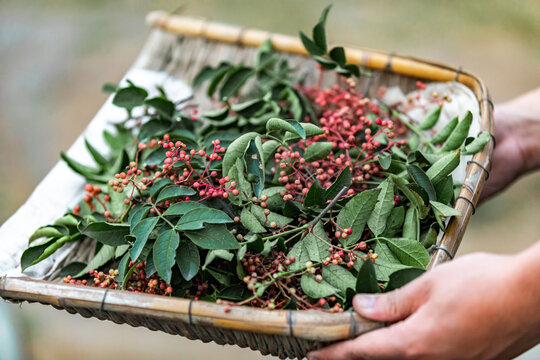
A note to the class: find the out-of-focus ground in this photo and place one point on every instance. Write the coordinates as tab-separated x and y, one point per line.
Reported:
54	56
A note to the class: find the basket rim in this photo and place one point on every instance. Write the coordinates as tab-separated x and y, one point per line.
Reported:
311	325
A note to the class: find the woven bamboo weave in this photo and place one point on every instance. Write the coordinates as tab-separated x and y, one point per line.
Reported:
181	46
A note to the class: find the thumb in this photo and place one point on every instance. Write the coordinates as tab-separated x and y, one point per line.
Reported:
393	306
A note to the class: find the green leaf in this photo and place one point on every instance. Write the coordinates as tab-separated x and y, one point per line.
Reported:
123	268
409	252
316	290
325	63
255	165
213	236
269	148
129	97
243	185
411	226
121	250
103	256
384	269
236	150
250	222
136	214
248	108
477	144
79	168
219	254
196	218
316	195
403	277
203	75
310	46
385	159
356	213
255	243
420	177
459	134
413	196
366	280
141	232
163	106
430	238
218	114
280	220
338	55
445	190
353	69
157	186
383	208
445	132
310	130
72	269
277	124
96	155
116	204
220	73
220	277
49	231
384	253
316	244
31	255
299	128
150	267
431	120
188	260
183	207
68	220
171	192
443	167
208	72
441	210
319	36
414	142
234	81
339	277
107	234
317	151
314	247
343	180
165	253
324	14
395	220
275	200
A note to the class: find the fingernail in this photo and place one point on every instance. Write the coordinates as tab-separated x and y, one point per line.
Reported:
312	356
365	303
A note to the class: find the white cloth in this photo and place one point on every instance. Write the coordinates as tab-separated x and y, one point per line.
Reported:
62	188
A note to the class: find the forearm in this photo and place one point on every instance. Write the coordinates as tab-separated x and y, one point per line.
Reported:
525	295
522	122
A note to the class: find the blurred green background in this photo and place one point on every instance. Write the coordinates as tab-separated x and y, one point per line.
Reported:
54	56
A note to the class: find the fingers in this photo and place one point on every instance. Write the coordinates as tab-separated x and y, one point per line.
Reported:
386	343
393	306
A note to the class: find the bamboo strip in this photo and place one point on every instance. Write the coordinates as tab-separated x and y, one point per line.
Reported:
282	333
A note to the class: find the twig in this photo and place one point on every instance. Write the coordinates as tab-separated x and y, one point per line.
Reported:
327	208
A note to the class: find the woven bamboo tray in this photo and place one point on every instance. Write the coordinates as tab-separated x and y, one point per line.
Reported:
181	46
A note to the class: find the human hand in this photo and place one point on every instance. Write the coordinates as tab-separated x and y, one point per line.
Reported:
517	132
479	306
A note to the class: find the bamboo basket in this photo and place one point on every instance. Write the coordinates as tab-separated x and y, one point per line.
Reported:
181	46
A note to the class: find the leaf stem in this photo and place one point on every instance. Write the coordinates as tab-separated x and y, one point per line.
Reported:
162	217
